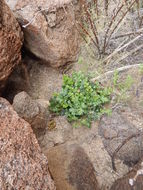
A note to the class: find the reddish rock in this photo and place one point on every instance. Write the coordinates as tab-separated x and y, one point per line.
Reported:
74	170
22	164
10	42
51	33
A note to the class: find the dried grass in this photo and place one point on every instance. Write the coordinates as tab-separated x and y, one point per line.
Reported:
105	21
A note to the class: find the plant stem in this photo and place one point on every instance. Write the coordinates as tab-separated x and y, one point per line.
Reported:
109	26
118	23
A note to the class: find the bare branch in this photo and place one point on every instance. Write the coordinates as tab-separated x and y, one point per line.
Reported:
126	45
120	69
118	23
92	24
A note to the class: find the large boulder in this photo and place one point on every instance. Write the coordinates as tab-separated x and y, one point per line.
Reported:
63	144
10	42
22	164
49	28
74	170
122	135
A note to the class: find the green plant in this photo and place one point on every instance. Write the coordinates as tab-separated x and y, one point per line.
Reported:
115	78
80	100
121	88
80	60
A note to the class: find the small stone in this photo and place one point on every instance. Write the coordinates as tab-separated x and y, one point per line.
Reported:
34	112
131	182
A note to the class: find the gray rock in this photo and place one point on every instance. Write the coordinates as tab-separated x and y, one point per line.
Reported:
34	112
119	130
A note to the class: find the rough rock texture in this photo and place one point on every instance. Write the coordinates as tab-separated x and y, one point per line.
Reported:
10	42
89	141
30	110
59	131
51	34
122	135
132	181
74	170
22	164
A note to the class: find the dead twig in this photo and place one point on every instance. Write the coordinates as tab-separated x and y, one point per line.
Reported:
128	54
88	34
32	20
96	6
127	34
124	46
110	24
92	25
120	69
119	22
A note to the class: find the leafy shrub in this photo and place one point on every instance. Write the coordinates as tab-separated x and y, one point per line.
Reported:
80	100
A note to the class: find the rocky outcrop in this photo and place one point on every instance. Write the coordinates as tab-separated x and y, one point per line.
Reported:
59	145
49	28
10	42
34	112
22	164
74	170
132	181
122	135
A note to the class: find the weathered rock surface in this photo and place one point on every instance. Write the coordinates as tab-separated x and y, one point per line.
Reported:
59	131
91	143
22	164
122	135
10	42
32	111
51	34
74	170
131	181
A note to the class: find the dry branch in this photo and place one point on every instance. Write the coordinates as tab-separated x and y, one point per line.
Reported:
124	46
119	23
120	69
110	24
92	25
128	54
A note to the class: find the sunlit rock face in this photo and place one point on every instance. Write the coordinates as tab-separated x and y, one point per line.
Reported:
49	28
